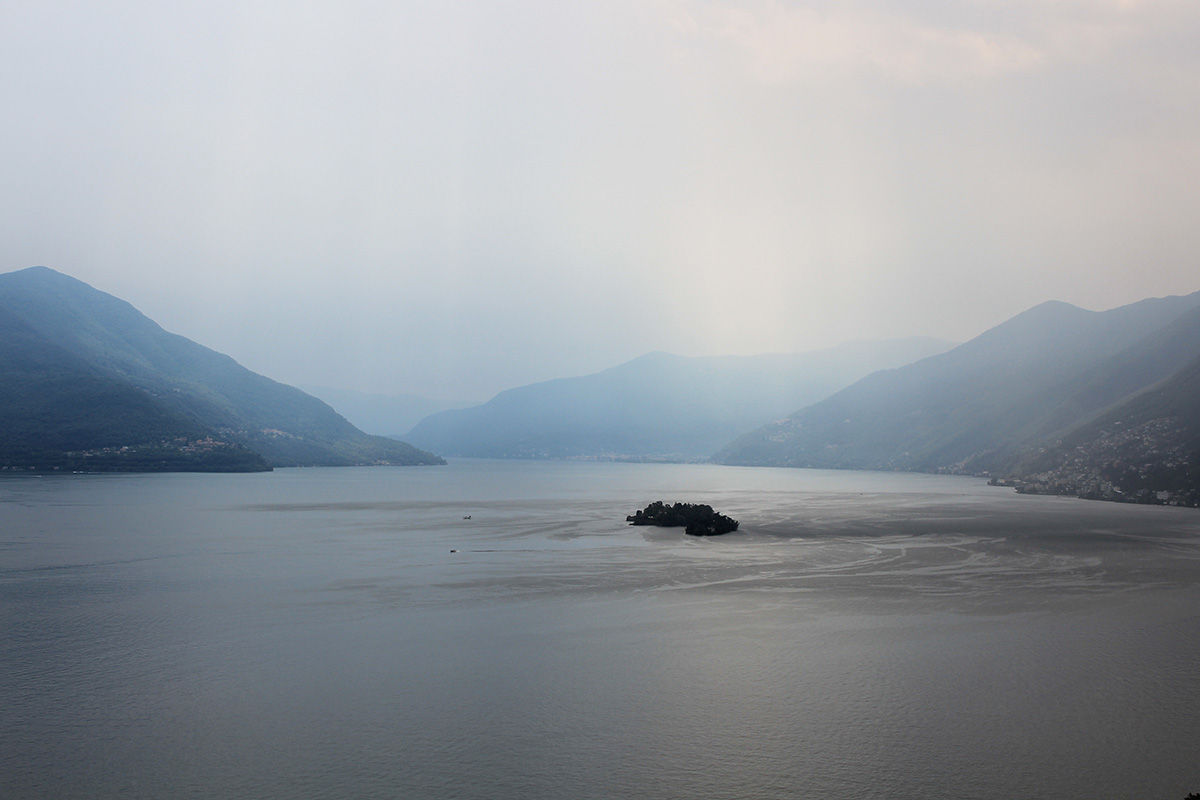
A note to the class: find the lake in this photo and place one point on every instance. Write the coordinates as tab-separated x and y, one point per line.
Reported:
310	633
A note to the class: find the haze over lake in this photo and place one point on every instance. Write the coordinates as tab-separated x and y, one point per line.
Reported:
734	236
309	633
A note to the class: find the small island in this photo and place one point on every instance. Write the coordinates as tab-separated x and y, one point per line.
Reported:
697	519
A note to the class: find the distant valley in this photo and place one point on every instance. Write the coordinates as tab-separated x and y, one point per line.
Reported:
89	383
383	414
658	407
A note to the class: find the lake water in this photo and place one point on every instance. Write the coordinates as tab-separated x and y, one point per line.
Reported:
309	633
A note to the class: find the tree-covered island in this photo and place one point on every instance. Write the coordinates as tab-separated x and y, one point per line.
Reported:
697	519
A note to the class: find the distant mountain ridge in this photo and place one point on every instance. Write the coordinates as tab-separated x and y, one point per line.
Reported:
85	371
658	406
997	404
382	414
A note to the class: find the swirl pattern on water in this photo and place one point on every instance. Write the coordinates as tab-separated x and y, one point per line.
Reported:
310	633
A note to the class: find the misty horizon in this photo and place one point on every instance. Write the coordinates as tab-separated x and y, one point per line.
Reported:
453	200
326	390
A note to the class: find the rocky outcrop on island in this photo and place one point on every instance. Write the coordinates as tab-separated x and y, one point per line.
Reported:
697	519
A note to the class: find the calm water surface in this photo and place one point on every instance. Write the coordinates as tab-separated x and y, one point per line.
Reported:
309	633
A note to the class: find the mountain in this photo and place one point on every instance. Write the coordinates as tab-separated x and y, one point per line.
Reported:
383	414
658	406
1146	449
52	403
85	372
991	402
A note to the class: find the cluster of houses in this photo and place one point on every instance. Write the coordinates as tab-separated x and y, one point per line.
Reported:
182	444
1090	488
1146	463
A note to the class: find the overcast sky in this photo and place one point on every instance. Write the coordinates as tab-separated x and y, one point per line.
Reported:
452	198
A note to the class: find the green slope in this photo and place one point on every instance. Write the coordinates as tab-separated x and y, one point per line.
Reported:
57	412
168	382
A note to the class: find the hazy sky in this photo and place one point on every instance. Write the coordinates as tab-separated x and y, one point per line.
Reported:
452	198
